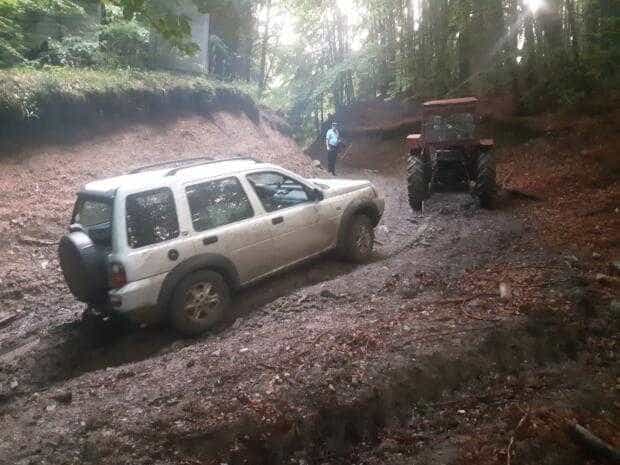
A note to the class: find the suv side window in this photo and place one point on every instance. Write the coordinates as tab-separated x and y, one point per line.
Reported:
218	203
277	191
151	218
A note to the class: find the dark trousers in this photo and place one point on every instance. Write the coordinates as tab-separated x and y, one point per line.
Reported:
332	154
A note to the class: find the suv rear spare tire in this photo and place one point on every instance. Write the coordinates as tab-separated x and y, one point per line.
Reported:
199	302
84	267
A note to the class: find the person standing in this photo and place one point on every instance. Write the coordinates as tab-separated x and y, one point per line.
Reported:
332	142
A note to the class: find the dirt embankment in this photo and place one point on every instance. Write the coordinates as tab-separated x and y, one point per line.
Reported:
415	357
368	124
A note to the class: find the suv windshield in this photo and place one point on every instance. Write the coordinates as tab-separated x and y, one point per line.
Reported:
95	216
449	127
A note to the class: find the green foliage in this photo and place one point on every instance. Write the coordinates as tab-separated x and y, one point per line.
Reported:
556	57
27	93
28	27
126	43
48	31
11	36
71	51
220	54
397	49
168	17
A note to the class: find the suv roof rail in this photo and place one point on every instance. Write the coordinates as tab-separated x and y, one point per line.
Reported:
163	164
174	171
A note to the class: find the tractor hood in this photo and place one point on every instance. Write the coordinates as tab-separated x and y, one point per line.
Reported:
334	187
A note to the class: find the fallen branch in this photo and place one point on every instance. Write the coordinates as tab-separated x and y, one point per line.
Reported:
594	444
597	211
533	267
265	365
512	438
523	195
9	319
27	240
459	300
480	318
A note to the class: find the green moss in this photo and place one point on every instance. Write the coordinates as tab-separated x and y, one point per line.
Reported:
28	94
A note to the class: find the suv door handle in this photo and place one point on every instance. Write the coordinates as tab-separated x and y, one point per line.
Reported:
210	240
277	220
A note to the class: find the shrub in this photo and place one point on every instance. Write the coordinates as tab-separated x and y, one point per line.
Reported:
125	43
27	27
71	51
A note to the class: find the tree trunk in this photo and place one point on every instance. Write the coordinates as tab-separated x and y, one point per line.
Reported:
262	81
572	29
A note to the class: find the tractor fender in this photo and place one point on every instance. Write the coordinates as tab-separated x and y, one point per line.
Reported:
486	144
361	206
414	141
208	261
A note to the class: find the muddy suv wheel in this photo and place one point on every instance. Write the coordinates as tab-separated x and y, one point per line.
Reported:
486	187
199	302
360	239
417	184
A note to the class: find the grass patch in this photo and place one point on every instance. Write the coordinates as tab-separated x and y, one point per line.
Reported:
39	98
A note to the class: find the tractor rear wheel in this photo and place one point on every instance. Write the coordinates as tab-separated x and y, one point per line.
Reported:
486	185
417	183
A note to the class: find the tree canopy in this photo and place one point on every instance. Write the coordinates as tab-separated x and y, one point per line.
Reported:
310	58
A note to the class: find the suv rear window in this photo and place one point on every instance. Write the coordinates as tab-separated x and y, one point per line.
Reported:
218	203
93	213
95	216
151	218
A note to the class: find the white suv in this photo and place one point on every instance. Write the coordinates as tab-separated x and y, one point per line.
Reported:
173	240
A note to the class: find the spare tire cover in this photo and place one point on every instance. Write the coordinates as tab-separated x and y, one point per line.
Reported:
84	267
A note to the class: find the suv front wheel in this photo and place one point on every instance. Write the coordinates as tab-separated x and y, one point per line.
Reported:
199	302
360	239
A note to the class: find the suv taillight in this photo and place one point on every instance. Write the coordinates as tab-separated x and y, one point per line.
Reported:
118	278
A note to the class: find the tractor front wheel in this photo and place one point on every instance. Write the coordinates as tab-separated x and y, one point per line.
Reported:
486	185
417	183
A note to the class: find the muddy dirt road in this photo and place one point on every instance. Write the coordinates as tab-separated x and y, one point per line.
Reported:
397	361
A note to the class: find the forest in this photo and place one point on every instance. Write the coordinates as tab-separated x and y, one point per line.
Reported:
310	58
193	272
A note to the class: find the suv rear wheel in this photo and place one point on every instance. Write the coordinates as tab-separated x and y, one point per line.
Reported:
199	302
360	239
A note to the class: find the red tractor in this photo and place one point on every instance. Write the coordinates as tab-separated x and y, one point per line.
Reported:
447	155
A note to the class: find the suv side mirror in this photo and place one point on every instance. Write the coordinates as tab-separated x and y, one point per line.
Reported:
316	195
76	227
